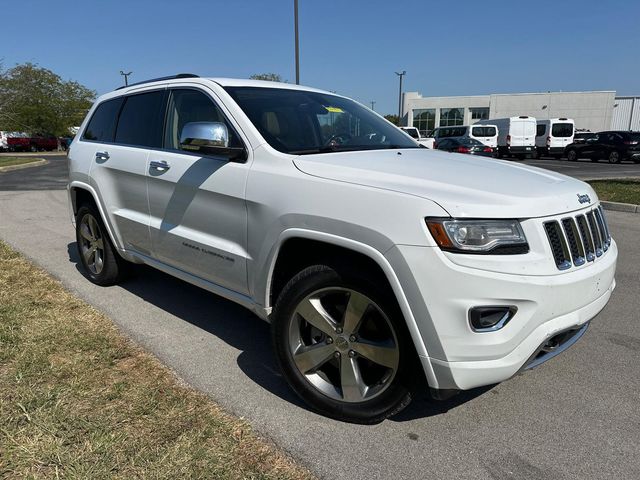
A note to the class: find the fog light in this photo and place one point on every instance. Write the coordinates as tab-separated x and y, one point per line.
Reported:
490	319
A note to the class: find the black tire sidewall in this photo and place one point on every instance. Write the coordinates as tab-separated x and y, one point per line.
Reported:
313	278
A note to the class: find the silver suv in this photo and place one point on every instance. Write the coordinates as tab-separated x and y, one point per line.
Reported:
381	265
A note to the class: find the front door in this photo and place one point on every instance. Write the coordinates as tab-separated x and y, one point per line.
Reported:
198	217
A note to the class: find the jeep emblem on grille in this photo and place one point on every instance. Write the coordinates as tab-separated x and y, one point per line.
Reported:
584	198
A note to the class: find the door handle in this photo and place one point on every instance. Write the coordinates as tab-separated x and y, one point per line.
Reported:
102	155
161	166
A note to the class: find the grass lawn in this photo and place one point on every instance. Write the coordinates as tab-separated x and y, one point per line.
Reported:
10	161
78	399
625	191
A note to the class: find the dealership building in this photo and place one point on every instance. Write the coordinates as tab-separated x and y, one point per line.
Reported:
591	111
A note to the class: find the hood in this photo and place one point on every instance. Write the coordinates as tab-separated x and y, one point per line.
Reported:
464	185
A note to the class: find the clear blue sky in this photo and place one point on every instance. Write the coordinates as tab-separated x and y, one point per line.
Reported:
349	46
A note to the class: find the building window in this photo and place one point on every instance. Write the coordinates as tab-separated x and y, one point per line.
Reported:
451	117
424	120
479	113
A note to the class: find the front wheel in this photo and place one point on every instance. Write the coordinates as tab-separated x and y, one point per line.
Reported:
342	345
572	155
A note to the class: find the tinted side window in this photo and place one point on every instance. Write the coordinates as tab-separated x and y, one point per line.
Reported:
540	129
186	106
102	125
141	120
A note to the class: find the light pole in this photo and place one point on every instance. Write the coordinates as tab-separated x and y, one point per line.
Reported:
400	74
126	77
295	16
372	104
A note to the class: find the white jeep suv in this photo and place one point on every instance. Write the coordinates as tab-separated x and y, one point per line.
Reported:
377	262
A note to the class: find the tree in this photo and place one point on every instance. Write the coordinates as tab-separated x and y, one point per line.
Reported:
271	77
392	118
38	101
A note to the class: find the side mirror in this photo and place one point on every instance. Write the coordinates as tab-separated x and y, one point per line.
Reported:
210	138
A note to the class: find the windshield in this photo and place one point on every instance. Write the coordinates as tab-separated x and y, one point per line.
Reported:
300	122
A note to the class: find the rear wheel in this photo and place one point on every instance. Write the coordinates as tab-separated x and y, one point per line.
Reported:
100	261
614	157
342	345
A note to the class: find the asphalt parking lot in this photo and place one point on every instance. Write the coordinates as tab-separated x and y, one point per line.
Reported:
576	417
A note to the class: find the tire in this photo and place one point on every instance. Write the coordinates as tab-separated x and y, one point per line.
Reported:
33	148
100	261
614	157
535	155
341	347
572	155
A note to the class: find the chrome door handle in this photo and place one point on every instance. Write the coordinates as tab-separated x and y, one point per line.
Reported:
102	155
159	165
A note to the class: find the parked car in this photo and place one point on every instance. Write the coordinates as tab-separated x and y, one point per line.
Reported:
465	145
43	143
378	263
614	146
516	136
580	137
14	141
414	133
553	136
485	134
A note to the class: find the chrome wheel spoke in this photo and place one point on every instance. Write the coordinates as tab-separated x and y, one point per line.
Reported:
98	262
85	232
387	356
93	227
353	388
88	253
310	358
313	312
356	307
100	244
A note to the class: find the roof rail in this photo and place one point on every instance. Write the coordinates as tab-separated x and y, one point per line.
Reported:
159	79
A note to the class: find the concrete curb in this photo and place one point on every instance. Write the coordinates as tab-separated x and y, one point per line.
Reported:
11	168
620	207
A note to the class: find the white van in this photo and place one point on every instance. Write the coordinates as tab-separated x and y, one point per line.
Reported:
516	135
485	134
553	136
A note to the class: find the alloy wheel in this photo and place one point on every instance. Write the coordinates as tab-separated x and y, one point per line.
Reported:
91	244
343	344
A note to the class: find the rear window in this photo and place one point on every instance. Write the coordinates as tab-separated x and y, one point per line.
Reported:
103	122
484	131
634	136
541	129
451	132
562	130
412	132
141	120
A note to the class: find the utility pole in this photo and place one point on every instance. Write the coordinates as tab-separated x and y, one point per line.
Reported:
372	104
400	74
295	16
126	77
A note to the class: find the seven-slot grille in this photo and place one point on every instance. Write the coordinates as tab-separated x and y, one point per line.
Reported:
580	239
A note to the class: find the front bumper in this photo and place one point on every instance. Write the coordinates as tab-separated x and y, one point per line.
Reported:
441	293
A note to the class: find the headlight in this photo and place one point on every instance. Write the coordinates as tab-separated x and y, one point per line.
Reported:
478	236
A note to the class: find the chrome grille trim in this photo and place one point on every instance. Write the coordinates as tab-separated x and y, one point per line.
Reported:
579	239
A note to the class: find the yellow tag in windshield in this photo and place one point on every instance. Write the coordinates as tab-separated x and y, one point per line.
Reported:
334	109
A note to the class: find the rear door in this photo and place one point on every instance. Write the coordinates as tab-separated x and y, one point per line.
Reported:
197	205
561	134
487	135
119	154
